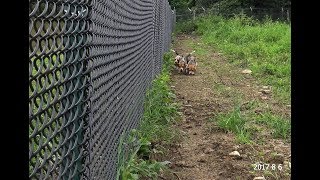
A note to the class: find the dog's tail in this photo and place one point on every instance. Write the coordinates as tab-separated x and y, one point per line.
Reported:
192	52
174	51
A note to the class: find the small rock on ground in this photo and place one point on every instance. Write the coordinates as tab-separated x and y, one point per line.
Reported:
264	97
259	178
265	91
234	153
246	71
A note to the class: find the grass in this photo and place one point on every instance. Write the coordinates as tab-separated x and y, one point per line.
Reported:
261	46
133	164
186	27
264	47
159	108
159	112
243	123
235	122
281	127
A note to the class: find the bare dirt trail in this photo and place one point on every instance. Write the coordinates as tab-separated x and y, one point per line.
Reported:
203	153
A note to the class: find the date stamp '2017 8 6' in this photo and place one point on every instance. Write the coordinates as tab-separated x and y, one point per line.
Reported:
266	167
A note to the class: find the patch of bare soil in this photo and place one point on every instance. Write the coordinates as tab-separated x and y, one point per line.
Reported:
203	152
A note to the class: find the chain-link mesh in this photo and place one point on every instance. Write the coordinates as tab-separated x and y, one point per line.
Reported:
90	63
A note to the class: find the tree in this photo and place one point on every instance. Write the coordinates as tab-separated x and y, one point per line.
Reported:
178	3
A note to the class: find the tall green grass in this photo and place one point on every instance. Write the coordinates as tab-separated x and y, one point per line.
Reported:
186	27
264	47
235	122
240	123
281	126
159	108
159	112
136	163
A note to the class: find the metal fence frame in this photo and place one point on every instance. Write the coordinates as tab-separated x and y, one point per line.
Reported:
90	63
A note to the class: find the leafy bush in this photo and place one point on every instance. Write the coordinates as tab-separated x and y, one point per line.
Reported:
186	27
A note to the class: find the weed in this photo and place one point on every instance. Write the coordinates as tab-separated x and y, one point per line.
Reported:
235	122
135	166
281	126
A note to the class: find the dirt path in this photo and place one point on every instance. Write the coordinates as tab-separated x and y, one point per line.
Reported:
203	153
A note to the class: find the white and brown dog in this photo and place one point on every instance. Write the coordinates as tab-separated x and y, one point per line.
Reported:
185	63
179	61
192	64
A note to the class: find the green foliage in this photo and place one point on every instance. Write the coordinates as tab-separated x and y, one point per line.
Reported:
281	126
135	166
160	109
179	3
235	122
242	124
264	47
206	3
186	27
159	112
191	3
229	5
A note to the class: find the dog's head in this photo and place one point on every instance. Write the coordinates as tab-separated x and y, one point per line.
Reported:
189	56
177	59
182	64
192	59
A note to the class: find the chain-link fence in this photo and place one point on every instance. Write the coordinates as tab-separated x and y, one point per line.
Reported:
90	63
281	14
